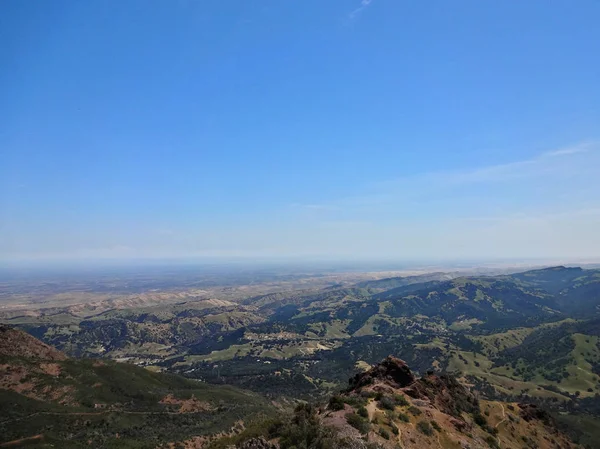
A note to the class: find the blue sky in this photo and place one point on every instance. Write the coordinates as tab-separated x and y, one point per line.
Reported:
339	128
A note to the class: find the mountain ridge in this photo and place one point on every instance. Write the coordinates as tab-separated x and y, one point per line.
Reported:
388	407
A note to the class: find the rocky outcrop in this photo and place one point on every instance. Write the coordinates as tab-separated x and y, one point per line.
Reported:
391	371
257	443
387	407
445	393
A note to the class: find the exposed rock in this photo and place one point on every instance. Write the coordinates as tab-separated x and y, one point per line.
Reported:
391	370
445	393
460	425
389	408
258	443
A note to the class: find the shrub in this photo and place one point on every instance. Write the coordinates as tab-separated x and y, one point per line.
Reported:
394	428
384	433
479	419
387	403
400	400
490	429
362	411
336	403
303	430
435	425
414	410
492	442
378	396
357	422
403	417
425	428
354	401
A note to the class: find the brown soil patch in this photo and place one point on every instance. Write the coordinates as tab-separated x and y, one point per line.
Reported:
53	369
62	395
191	405
12	376
23	380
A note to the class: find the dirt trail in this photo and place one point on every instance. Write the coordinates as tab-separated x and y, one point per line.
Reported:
371	409
21	441
88	414
503	417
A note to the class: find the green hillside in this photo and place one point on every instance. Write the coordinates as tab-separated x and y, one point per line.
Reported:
82	403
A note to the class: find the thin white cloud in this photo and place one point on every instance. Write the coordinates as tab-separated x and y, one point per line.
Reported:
577	161
539	165
363	5
582	148
543	206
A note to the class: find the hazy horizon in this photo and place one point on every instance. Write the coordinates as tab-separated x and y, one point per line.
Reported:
290	263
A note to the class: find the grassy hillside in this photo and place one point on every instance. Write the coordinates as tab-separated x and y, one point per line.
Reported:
78	403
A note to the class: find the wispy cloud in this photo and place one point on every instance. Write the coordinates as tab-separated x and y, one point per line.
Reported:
358	11
567	175
544	205
581	148
551	162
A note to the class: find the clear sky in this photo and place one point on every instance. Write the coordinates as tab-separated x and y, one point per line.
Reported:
341	128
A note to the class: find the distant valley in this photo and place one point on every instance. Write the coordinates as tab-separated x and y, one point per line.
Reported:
527	336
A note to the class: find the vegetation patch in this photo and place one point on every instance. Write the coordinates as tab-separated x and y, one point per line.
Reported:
425	428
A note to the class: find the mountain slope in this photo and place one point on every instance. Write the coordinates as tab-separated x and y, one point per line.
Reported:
566	356
404	281
66	402
15	343
388	407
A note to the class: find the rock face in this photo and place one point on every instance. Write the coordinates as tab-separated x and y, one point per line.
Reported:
391	370
445	393
257	443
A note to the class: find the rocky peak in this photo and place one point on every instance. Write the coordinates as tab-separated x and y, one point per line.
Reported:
391	371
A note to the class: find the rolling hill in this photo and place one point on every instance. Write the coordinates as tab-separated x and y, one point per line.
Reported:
50	400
